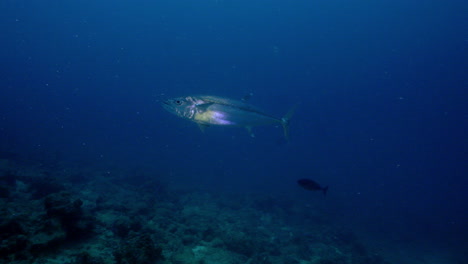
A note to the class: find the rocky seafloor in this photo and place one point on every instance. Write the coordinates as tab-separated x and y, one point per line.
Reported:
84	216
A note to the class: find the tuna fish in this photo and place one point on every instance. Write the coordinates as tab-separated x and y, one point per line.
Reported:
214	110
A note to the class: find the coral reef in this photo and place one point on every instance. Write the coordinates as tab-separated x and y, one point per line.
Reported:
113	218
139	249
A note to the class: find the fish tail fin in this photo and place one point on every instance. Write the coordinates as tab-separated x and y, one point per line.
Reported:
286	119
325	190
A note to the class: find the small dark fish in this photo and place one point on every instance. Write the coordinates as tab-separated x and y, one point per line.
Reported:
312	186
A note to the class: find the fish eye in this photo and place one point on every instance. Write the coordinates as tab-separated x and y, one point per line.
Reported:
178	102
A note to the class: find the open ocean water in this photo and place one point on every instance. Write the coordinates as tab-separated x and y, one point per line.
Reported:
94	170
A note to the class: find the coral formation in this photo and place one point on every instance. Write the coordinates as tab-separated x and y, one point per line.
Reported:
139	249
114	219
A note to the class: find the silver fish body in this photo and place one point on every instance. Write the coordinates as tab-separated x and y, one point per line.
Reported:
214	110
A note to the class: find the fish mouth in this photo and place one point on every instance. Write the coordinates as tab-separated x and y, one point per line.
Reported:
168	106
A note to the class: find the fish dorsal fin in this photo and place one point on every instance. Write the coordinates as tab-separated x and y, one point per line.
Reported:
202	127
247	97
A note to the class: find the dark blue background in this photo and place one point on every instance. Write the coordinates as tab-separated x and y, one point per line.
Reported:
382	88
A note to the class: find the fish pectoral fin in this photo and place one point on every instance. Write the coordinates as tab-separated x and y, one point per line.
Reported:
202	127
249	130
203	107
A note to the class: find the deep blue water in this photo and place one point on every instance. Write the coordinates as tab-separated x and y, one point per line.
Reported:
382	87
